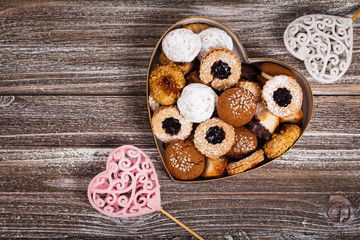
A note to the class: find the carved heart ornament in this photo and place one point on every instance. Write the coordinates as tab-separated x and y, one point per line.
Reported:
323	42
129	186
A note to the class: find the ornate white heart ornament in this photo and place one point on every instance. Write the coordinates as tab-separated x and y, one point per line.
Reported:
323	42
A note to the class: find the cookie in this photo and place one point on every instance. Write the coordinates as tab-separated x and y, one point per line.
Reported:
282	95
282	141
197	102
215	167
185	67
154	105
296	118
181	45
220	67
270	70
214	137
245	143
264	123
166	83
193	77
213	38
197	27
183	160
246	163
236	106
253	87
169	126
249	72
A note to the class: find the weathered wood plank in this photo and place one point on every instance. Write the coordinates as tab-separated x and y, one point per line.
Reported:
44	194
105	48
115	120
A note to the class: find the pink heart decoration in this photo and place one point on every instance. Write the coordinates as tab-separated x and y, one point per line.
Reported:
129	186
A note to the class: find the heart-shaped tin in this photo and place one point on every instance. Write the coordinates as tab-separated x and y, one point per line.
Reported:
238	49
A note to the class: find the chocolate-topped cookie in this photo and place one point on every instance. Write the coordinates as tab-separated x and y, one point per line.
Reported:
183	160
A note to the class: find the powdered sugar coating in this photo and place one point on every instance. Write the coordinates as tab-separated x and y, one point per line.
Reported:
213	38
282	81
167	112
253	87
209	149
197	102
181	45
154	105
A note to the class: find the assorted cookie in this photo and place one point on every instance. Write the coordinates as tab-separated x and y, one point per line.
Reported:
216	115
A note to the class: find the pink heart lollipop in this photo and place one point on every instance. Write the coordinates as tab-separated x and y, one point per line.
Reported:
129	186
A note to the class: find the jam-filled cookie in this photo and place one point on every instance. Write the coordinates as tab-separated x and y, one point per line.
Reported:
282	95
166	83
214	38
245	143
246	163
220	67
214	137
181	45
282	141
168	124
197	102
236	106
215	167
183	160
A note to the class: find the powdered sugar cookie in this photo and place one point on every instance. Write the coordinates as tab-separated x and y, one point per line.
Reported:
181	45
214	38
197	102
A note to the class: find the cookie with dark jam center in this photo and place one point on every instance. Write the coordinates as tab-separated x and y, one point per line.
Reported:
282	97
220	70
171	126
215	135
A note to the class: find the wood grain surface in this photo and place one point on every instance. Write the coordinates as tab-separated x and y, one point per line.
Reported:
72	88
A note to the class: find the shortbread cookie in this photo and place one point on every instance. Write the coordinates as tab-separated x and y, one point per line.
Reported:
246	163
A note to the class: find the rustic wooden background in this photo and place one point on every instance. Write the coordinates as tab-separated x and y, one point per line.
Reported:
72	88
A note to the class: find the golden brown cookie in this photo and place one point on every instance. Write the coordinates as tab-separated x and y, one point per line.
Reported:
253	87
214	137
215	167
296	118
245	143
193	77
282	141
220	67
185	67
197	27
166	83
169	126
236	106
246	163
270	70
183	160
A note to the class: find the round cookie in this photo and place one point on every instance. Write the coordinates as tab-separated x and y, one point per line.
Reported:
181	45
282	95
169	126
183	160
220	67
197	27
282	141
245	143
253	87
270	70
214	137
165	84
246	163
197	102
213	38
236	106
215	167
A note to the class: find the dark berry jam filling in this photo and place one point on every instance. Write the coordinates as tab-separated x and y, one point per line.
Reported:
220	70
282	97
171	126
215	135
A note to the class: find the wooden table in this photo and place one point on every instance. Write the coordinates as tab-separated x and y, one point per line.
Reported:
72	86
